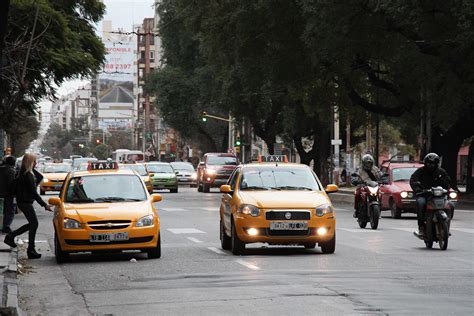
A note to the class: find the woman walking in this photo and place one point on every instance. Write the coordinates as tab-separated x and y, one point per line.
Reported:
26	194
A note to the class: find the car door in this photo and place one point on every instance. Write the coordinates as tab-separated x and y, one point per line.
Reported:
228	198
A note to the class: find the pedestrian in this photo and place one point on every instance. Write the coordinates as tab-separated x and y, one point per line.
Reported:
343	176
7	177
26	193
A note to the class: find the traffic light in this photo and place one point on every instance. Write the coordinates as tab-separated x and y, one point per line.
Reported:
81	145
204	116
237	142
97	141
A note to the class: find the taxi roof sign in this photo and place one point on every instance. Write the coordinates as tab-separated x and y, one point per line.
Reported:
102	165
273	158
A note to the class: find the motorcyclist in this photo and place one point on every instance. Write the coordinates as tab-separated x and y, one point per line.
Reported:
429	176
368	172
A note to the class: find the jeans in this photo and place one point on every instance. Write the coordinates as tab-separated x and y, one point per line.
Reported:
8	212
421	210
32	226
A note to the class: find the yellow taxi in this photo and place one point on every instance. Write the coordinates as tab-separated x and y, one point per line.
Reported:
103	209
277	203
139	168
54	175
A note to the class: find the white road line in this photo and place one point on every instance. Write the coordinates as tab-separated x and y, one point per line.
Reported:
464	211
210	209
216	250
410	230
464	230
173	209
26	240
197	241
360	230
185	231
247	264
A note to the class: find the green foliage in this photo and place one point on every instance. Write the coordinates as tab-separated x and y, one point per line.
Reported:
102	151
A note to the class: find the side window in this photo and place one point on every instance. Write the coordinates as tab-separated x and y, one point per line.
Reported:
233	178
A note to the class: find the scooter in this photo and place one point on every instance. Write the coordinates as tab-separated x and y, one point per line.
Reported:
437	217
369	207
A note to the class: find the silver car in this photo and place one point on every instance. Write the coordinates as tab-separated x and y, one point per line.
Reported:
184	172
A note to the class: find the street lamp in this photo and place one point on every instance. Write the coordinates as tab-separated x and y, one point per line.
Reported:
230	120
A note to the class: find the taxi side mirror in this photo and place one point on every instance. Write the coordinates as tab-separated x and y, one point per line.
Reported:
151	175
331	188
155	197
54	201
226	189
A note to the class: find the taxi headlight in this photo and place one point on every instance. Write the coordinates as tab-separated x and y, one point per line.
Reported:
70	223
324	209
45	180
145	221
248	209
453	195
404	195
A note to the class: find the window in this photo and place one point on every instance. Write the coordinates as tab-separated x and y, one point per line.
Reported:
152	56
280	178
142	56
233	179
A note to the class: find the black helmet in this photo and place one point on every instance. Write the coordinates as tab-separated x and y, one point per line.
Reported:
9	160
367	162
431	161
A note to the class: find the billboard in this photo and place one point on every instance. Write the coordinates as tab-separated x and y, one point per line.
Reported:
115	82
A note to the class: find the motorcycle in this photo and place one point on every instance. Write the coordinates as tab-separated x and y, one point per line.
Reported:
437	217
369	207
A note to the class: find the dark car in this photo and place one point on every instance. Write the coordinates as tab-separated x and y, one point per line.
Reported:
214	170
185	172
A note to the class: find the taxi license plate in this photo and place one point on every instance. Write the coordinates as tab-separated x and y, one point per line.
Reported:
108	237
288	225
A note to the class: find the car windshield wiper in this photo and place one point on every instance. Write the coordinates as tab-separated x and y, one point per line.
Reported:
115	199
253	187
398	180
289	187
80	201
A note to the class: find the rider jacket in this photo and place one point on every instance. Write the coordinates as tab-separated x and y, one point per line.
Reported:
423	179
373	175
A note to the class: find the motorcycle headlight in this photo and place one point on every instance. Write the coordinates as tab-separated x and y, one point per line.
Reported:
437	192
373	190
70	223
324	209
404	195
145	221
453	195
210	171
194	176
248	209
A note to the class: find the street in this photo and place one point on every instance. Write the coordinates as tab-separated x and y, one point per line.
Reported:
381	272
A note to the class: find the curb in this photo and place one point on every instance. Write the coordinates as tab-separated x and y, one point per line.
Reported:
9	285
347	198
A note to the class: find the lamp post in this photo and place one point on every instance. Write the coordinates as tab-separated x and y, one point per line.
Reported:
230	120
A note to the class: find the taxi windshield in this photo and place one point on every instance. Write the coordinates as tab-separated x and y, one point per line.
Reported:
140	169
278	178
184	166
162	168
59	168
105	188
402	174
221	160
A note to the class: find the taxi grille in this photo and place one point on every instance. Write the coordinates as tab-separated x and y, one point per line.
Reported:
83	242
288	232
108	225
281	215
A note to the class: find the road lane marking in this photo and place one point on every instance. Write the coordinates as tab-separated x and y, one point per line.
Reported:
185	231
360	230
247	264
410	230
216	250
464	230
464	211
194	240
210	209
173	209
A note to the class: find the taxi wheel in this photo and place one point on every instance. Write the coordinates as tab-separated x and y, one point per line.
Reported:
61	256
155	253
396	212
329	246
199	186
237	246
225	240
174	190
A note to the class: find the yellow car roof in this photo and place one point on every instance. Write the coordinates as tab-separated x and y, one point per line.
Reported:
275	165
95	172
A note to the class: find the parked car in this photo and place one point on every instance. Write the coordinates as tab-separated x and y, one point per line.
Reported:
214	170
185	172
162	176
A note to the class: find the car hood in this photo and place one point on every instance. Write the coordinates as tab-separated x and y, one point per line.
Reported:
284	199
184	172
55	176
221	167
402	185
163	176
108	211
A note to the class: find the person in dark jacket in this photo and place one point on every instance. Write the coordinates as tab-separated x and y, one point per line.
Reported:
26	194
7	177
429	176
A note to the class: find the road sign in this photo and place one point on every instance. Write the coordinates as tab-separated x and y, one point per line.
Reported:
336	142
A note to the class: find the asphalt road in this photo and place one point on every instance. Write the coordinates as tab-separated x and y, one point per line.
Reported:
387	271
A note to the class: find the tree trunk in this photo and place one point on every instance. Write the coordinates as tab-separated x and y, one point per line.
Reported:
321	153
469	177
305	157
447	146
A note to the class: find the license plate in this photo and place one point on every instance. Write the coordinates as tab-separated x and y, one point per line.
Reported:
108	237
289	225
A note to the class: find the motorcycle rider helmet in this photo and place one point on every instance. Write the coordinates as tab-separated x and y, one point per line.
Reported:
367	162
431	161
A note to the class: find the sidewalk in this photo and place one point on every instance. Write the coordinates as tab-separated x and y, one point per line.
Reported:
8	279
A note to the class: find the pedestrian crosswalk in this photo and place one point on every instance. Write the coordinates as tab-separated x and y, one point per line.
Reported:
405	229
179	209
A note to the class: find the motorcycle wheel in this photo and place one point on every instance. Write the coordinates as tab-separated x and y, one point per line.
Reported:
443	235
362	223
374	216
